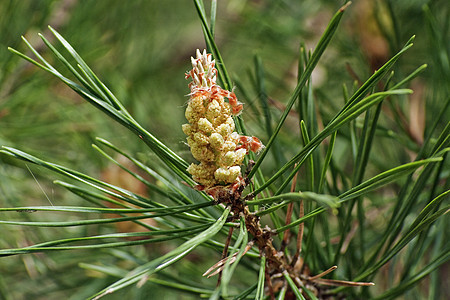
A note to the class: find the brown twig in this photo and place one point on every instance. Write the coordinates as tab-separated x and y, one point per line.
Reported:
276	261
349	237
269	284
290	209
320	275
352	73
333	282
299	235
225	252
220	265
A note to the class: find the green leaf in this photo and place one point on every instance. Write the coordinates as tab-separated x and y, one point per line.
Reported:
365	187
345	116
294	288
96	93
261	279
241	244
54	245
327	161
166	260
321	199
319	50
412	232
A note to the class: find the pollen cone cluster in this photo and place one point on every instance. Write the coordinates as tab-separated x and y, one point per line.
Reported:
211	136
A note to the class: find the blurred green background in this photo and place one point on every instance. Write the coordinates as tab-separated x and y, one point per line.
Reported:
140	50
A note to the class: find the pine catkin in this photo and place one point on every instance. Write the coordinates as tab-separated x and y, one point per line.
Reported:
211	132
